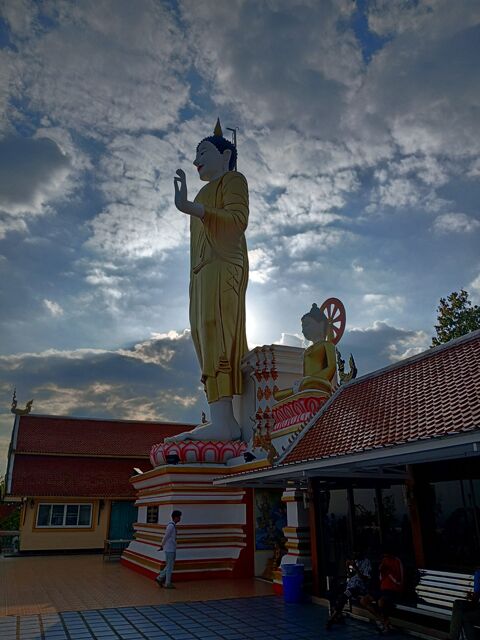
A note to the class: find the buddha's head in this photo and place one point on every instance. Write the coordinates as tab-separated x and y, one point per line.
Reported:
215	156
315	324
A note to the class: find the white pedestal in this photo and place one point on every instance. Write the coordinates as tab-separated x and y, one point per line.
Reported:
213	530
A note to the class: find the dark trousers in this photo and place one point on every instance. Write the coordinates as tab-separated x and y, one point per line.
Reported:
465	615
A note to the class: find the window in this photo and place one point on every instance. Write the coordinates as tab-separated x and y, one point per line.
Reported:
152	515
366	521
455	539
64	515
396	526
336	548
360	517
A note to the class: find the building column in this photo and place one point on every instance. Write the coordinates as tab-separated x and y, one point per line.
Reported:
297	533
314	517
297	530
414	490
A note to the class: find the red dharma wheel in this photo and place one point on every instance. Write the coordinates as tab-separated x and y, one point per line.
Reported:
335	312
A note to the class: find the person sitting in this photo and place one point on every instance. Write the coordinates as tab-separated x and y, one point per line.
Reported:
466	613
359	572
319	360
391	588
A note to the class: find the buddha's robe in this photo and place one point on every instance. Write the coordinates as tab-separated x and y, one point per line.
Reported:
319	371
218	283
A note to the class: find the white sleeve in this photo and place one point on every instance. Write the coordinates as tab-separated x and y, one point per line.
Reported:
168	533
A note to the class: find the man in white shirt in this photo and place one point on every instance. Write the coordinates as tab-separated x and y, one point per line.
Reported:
169	545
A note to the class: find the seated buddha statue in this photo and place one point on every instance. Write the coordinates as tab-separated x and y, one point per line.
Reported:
319	360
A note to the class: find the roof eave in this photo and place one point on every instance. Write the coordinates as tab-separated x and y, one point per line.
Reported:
456	445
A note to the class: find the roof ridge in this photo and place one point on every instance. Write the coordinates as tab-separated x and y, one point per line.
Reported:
472	335
90	419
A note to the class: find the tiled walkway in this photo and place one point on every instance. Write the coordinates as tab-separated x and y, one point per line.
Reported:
258	618
50	584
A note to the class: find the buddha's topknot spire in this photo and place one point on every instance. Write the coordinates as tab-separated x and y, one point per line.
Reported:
218	129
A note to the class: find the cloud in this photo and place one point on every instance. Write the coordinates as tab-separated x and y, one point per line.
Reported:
98	74
32	171
161	349
291	340
53	307
379	303
474	289
85	402
303	245
8	87
422	78
269	74
428	17
261	268
156	379
9	224
165	359
455	223
352	160
38	175
381	344
125	231
20	16
136	180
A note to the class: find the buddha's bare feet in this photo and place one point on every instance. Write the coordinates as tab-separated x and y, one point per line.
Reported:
178	438
223	425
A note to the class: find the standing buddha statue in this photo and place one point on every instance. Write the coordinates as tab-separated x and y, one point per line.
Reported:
218	280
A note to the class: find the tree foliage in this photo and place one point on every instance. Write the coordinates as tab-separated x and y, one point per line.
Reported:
456	317
10	522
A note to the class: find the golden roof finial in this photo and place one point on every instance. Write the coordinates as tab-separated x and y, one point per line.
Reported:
20	412
218	129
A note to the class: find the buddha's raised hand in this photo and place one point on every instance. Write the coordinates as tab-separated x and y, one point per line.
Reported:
182	202
181	193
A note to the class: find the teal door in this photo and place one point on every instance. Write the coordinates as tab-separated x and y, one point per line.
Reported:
122	517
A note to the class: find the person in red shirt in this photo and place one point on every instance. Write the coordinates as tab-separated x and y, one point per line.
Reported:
391	589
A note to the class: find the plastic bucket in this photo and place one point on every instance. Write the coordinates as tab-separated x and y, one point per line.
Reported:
292	579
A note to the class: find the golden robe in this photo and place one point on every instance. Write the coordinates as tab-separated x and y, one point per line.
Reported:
218	283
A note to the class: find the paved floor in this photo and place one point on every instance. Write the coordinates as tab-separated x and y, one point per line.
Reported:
84	598
259	618
50	584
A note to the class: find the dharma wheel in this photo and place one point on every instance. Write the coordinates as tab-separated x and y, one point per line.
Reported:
335	312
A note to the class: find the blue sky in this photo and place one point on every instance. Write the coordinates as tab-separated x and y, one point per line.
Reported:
359	136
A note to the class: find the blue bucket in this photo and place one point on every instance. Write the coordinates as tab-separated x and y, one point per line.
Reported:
292	579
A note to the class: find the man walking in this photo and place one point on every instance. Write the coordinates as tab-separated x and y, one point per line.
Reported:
169	545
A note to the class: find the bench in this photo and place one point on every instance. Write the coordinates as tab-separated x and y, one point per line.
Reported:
437	590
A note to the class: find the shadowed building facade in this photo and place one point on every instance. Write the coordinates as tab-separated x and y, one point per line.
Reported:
71	478
391	459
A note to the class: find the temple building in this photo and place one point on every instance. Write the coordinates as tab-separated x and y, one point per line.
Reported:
71	477
392	459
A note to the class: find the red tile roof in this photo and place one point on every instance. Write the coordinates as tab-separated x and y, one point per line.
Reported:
82	436
433	394
64	476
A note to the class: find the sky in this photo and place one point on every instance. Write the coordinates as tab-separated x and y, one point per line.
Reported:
358	132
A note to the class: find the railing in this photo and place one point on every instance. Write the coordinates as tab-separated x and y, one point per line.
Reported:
9	541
